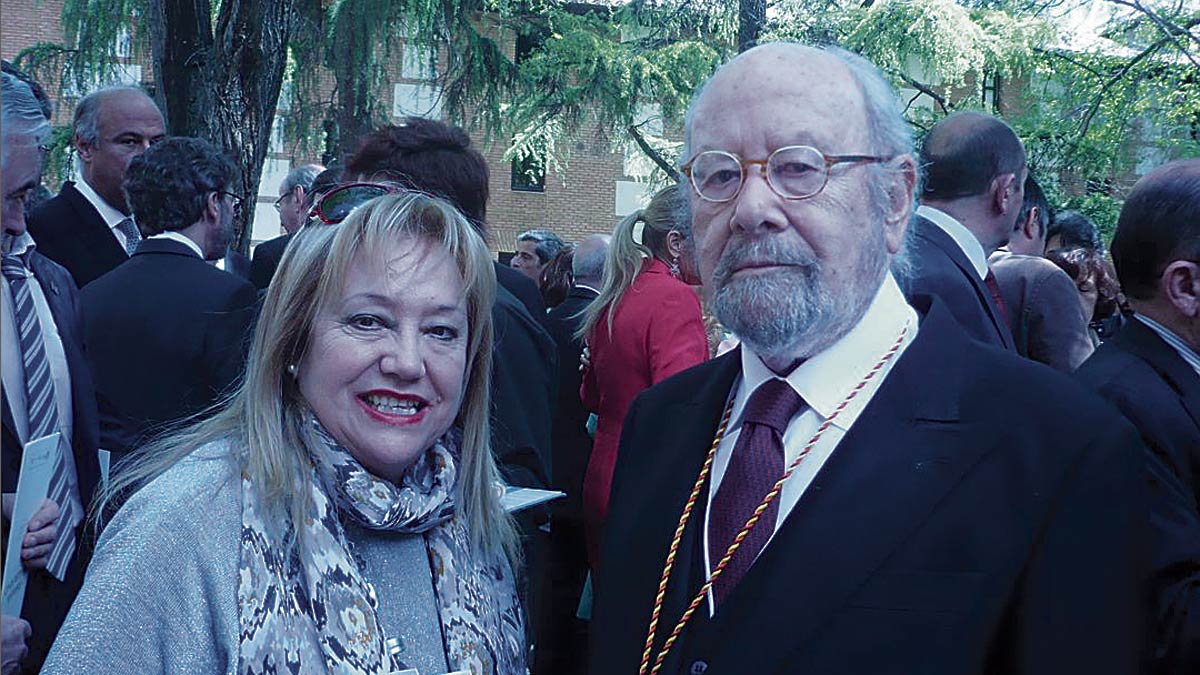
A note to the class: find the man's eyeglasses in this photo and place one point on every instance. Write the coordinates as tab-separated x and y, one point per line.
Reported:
236	199
279	202
334	206
793	172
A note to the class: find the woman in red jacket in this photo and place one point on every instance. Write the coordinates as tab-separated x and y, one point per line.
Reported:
645	326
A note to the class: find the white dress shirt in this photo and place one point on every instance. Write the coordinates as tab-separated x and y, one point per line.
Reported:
823	382
111	216
12	364
181	238
960	234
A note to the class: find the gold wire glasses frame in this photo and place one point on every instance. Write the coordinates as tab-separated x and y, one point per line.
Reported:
792	172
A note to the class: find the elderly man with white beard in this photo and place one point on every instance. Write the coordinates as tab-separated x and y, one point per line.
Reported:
846	492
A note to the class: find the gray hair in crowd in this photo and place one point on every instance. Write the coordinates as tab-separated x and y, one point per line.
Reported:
547	244
21	112
588	263
87	111
890	134
303	176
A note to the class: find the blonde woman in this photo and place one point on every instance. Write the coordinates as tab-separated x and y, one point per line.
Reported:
339	513
645	326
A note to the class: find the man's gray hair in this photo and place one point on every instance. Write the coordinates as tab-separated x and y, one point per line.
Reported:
588	262
87	111
302	175
21	109
547	244
21	112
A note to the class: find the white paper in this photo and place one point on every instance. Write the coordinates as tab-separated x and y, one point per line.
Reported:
105	458
33	484
518	498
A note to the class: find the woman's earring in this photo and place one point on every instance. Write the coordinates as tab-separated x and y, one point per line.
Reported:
675	266
292	369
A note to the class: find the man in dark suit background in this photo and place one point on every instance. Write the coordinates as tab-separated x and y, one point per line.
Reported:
167	333
1047	323
921	531
974	172
46	388
293	197
1151	371
565	645
88	228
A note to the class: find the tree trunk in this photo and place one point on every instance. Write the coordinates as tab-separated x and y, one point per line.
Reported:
752	17
352	71
223	85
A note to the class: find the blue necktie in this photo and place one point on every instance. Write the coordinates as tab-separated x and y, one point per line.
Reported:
41	405
132	234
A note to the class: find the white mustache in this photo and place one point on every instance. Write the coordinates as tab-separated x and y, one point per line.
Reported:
761	253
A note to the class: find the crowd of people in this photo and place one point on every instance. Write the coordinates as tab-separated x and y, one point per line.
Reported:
835	403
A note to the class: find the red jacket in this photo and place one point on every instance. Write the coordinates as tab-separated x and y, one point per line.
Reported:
657	331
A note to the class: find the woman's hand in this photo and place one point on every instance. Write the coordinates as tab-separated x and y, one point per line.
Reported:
40	535
585	358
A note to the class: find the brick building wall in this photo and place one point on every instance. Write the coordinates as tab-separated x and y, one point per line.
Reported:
580	201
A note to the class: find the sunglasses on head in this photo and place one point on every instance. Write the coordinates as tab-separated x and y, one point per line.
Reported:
334	206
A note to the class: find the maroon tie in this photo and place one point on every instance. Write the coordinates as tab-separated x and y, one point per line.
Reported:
754	467
994	287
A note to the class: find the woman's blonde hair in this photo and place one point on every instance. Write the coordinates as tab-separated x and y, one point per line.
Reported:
631	247
265	414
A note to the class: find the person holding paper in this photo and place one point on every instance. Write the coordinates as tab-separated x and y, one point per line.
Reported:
48	395
340	513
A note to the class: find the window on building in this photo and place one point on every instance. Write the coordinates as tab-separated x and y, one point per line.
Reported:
529	174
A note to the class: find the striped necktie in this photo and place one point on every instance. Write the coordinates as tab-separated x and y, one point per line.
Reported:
132	234
42	407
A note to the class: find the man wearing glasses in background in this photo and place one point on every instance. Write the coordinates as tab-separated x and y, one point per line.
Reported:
293	197
167	332
914	528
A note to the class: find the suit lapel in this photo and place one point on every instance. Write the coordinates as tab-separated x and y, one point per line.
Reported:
936	236
94	233
886	476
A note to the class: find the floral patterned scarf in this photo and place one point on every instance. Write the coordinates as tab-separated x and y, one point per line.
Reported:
315	613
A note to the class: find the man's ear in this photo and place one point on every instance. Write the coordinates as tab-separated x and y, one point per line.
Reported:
1180	283
1002	192
212	207
900	181
83	148
1032	226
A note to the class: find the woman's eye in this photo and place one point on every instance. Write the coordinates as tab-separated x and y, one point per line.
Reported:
444	332
365	322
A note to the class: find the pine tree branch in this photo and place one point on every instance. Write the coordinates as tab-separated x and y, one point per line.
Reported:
653	154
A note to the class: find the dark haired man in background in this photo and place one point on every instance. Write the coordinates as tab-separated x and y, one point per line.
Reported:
974	168
166	331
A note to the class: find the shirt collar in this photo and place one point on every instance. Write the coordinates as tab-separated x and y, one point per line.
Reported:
181	238
111	216
960	234
22	245
825	380
1169	336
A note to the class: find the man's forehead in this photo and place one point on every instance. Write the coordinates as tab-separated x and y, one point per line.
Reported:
126	109
790	90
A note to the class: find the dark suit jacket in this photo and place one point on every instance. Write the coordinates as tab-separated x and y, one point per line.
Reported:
237	264
70	231
938	538
524	383
1160	393
266	258
943	270
572	444
1047	322
523	289
167	333
47	600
